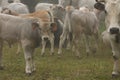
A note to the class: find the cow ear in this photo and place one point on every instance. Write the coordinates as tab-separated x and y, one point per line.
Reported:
53	27
35	25
99	6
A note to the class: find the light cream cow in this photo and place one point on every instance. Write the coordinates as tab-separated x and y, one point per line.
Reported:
112	21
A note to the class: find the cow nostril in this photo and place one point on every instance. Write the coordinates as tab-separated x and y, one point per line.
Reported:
45	38
114	30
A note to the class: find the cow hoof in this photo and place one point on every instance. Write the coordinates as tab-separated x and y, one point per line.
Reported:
115	74
59	56
28	74
79	57
17	52
42	54
52	53
1	67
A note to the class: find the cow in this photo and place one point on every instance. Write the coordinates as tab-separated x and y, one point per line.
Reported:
65	3
112	21
43	6
18	7
47	26
79	22
26	30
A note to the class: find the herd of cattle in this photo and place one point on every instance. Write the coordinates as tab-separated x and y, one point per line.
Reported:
69	20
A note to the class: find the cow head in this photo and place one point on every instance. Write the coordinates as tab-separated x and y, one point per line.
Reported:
47	29
58	12
6	11
112	19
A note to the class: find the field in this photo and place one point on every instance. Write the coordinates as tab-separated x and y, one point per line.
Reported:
68	67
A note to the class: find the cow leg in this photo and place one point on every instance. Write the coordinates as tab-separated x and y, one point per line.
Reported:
115	52
62	40
68	42
52	44
86	39
1	46
95	44
43	47
28	53
76	47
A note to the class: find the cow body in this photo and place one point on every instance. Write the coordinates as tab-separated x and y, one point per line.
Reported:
43	6
78	3
79	22
13	29
112	21
18	7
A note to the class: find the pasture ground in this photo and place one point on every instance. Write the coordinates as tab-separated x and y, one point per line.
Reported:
68	67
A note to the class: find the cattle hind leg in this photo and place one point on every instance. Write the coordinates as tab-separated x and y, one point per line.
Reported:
28	53
62	40
76	45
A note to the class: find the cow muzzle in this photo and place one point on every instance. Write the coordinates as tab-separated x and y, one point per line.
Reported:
45	38
114	30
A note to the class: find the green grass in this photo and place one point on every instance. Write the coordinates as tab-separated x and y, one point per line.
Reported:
68	67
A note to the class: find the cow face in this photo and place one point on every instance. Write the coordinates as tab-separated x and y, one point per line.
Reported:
6	11
47	29
112	19
58	12
112	9
113	16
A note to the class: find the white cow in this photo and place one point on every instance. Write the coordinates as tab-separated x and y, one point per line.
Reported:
26	30
77	3
112	21
79	22
65	3
43	6
18	7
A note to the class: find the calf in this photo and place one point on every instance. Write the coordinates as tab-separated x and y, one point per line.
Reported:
47	26
25	30
112	21
79	22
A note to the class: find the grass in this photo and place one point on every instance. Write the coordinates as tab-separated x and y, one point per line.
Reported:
68	67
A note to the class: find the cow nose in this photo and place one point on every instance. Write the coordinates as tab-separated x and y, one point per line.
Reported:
45	38
114	30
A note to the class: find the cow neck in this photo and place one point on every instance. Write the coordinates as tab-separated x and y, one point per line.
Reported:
51	16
